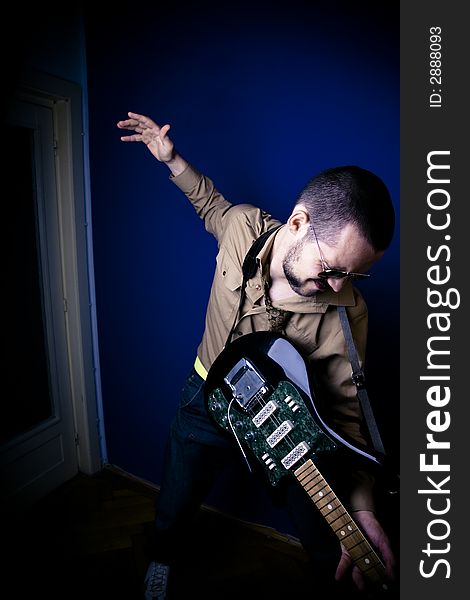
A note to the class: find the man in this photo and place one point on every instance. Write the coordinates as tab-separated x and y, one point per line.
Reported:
339	227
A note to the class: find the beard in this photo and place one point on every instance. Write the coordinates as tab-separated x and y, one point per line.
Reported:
302	287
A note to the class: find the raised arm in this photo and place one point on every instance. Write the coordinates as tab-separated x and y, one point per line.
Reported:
155	138
209	204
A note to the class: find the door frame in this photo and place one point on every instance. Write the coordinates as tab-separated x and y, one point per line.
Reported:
76	257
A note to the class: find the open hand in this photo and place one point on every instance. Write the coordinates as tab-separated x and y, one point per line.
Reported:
151	134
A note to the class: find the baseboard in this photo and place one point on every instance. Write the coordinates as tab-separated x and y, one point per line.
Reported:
259	528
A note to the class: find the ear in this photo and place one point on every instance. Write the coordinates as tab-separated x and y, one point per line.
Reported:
299	221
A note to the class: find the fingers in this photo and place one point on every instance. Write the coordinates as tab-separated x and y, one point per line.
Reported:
142	120
131	138
163	131
137	123
130	124
344	563
358	578
146	129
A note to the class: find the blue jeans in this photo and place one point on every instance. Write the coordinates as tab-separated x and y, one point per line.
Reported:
197	451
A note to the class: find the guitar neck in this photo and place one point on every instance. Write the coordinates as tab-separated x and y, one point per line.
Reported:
341	523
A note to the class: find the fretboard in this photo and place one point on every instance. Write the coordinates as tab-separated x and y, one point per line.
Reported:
341	523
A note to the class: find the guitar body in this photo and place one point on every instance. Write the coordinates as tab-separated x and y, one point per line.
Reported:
258	391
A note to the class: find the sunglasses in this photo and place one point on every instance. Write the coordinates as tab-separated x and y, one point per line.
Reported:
331	273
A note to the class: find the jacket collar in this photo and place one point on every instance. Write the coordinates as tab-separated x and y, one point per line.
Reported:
295	303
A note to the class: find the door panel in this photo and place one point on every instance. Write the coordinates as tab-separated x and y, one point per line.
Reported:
37	435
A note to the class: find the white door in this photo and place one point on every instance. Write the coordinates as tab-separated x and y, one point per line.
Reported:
37	432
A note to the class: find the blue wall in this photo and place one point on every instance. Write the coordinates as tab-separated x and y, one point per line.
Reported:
260	98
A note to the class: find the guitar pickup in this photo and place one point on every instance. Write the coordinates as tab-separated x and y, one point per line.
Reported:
265	413
295	455
280	433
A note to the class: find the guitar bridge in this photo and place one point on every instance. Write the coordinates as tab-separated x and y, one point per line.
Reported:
246	383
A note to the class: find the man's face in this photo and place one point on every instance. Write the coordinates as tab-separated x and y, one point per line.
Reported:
302	262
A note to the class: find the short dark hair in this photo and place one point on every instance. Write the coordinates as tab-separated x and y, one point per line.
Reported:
350	194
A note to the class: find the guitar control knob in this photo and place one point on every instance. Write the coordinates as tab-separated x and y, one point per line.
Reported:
216	406
249	436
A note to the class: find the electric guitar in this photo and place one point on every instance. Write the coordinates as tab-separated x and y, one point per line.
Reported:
258	390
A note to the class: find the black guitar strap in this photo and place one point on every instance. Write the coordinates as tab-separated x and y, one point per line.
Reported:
249	270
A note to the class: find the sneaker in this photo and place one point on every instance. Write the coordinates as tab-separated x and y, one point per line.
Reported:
156	581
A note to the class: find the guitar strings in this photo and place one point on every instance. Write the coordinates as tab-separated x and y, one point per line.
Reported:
235	435
274	418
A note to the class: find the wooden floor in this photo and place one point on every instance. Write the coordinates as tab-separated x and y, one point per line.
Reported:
88	540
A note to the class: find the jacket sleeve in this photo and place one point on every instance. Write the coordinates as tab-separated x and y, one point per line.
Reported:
208	203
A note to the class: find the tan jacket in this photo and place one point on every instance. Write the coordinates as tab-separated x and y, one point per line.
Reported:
314	326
